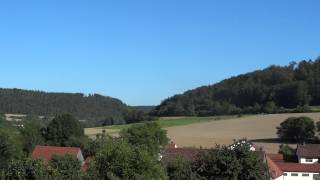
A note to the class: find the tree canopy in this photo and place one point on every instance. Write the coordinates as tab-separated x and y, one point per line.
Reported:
299	129
148	136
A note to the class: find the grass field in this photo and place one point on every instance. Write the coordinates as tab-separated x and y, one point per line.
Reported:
164	122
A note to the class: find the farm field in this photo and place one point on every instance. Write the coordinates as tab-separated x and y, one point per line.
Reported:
164	122
209	131
260	128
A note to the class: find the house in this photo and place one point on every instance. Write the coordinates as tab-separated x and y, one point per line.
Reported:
308	153
305	167
46	152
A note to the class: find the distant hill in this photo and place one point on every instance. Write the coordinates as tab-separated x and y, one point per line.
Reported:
145	109
94	108
274	89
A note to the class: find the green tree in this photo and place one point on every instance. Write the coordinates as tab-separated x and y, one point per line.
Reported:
34	169
235	164
65	130
148	136
10	147
180	169
121	160
67	166
286	150
298	129
32	135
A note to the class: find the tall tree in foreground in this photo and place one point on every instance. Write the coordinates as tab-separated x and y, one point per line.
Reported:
148	136
64	130
299	129
224	163
10	147
120	160
32	135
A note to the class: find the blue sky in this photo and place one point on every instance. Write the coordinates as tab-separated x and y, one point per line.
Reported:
144	51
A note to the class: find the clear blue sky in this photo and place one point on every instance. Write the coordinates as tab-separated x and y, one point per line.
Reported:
142	51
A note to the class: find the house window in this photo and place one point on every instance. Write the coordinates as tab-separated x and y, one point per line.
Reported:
309	160
285	174
294	174
305	175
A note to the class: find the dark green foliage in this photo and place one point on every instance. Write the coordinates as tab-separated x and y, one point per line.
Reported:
286	150
94	108
30	169
297	129
32	135
10	146
273	90
224	163
64	130
148	136
68	166
180	169
120	160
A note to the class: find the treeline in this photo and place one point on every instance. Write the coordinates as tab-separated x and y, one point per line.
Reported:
132	155
275	89
94	108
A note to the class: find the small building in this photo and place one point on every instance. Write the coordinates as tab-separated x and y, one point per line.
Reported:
282	170
308	153
46	152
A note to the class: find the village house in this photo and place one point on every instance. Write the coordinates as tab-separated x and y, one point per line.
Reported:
305	167
46	152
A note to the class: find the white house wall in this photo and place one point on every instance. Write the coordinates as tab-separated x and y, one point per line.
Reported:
299	177
304	161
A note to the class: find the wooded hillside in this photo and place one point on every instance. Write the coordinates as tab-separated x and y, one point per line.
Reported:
93	107
274	89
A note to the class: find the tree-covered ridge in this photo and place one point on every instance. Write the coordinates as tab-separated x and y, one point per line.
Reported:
274	89
92	107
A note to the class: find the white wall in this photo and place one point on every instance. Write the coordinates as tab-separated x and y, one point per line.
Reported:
304	161
299	177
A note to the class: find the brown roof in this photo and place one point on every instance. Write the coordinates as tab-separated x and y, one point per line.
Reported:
46	152
298	167
276	157
277	166
171	154
274	169
308	150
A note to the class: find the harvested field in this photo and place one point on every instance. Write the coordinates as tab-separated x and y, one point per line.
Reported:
257	127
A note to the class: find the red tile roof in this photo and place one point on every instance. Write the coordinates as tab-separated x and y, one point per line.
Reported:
308	150
277	166
171	154
274	169
276	157
46	152
298	167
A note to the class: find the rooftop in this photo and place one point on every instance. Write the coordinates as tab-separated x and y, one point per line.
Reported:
46	152
308	150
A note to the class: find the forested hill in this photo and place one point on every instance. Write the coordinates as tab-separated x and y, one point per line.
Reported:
92	107
274	89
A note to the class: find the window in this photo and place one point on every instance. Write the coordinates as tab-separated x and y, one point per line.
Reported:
285	174
309	160
305	175
294	174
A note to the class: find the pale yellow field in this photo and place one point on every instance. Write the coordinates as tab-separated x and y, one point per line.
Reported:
223	132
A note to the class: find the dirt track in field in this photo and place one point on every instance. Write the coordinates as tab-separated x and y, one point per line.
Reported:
223	132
